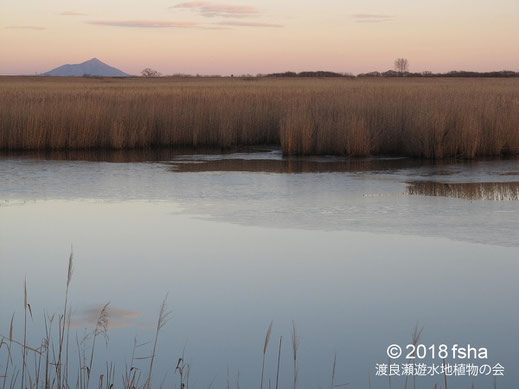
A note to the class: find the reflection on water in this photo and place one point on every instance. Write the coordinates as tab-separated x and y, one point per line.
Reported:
356	199
267	159
468	191
346	254
118	317
120	156
292	165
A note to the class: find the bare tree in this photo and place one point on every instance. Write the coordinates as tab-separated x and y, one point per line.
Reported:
402	65
148	72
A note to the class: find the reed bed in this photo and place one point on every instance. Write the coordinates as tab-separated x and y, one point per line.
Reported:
424	118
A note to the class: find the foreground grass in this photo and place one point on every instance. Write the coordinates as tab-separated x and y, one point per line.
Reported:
62	360
437	118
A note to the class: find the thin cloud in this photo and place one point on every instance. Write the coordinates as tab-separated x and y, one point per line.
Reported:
71	13
372	18
143	23
209	9
25	28
213	28
249	24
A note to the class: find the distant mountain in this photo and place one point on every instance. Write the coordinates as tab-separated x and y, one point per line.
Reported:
92	67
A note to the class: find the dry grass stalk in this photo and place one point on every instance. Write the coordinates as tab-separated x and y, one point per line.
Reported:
100	329
62	324
332	382
24	348
265	346
295	345
161	321
279	362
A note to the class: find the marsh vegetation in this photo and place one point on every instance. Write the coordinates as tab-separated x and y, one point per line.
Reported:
425	118
64	359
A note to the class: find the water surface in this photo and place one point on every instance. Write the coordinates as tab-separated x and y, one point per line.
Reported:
355	252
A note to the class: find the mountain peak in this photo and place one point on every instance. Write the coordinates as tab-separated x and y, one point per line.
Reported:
91	67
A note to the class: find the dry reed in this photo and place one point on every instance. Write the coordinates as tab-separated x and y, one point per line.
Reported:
427	118
279	362
295	345
161	321
265	346
332	381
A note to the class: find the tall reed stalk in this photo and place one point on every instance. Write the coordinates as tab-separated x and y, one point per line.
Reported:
265	346
161	321
279	362
62	325
295	345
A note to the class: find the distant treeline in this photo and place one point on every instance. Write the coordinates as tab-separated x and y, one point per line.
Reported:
393	73
386	74
319	73
454	73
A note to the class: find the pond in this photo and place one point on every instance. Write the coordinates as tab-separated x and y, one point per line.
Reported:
354	253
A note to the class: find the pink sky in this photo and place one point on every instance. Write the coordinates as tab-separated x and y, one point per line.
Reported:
260	36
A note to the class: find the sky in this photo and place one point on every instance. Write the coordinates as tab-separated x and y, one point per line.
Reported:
259	36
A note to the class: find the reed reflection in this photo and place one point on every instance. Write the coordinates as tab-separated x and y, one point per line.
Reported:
293	165
469	191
